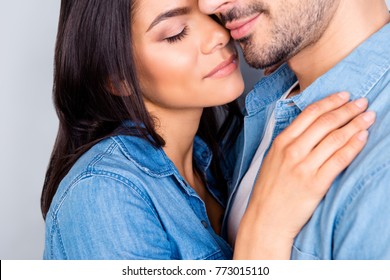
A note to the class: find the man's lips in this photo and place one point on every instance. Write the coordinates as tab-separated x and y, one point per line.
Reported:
225	68
241	28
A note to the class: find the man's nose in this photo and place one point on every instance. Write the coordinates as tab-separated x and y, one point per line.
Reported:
213	6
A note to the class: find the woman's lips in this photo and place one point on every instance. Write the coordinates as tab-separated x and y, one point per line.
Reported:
240	29
224	69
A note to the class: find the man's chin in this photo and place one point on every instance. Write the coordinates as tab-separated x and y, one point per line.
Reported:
260	60
253	60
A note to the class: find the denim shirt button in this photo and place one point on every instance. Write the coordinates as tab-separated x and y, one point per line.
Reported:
204	223
205	154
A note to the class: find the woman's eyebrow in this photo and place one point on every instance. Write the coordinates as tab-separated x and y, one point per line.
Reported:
168	14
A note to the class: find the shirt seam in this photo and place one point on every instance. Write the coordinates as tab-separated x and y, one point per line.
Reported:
108	151
375	80
254	110
100	173
161	173
356	191
304	253
55	229
126	183
213	255
83	175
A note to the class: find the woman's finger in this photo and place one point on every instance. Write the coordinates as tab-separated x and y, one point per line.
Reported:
338	139
314	111
327	123
341	159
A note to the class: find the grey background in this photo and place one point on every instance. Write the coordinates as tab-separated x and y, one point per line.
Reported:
28	122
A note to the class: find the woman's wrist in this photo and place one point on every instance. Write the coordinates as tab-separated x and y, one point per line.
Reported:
257	239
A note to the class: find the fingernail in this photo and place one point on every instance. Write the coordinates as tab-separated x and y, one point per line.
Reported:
369	116
361	102
363	135
344	95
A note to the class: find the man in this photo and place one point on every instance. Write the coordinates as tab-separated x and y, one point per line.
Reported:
329	46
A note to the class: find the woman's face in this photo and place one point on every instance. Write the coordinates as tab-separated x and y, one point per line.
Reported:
184	58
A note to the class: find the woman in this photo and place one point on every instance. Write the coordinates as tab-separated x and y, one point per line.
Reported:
137	171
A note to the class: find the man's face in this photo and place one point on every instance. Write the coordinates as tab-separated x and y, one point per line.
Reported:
272	31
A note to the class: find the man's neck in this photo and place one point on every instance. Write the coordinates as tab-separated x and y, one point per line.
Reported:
353	22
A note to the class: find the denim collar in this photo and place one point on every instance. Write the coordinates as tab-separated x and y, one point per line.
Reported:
358	73
269	89
153	160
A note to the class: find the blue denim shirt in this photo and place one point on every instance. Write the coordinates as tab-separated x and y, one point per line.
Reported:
124	199
353	220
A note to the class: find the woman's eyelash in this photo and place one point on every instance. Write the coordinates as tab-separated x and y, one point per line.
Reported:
177	37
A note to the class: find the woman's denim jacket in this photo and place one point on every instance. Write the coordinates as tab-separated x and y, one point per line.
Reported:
124	199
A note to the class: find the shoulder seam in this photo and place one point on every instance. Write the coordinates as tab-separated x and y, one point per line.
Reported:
374	79
88	174
356	191
100	156
169	170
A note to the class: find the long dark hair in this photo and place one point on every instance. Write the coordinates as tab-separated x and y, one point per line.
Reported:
96	89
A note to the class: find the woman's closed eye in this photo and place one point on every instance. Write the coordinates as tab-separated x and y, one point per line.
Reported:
177	37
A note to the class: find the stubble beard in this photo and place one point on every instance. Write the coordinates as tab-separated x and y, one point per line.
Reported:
288	35
274	53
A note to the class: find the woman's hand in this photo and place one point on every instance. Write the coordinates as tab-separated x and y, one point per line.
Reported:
298	171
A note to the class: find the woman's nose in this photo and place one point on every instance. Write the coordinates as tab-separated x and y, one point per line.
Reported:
215	37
